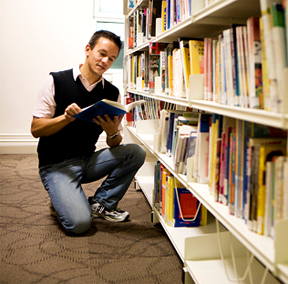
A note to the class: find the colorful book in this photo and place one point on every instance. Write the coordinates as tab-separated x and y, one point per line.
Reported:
203	151
266	153
196	52
255	59
185	55
185	208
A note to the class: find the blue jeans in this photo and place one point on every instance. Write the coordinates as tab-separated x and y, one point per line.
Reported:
63	183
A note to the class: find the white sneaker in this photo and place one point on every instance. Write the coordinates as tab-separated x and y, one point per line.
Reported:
99	210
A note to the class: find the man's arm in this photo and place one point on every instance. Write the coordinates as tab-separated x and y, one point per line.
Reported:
49	126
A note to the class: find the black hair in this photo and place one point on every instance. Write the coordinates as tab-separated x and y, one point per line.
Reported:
106	34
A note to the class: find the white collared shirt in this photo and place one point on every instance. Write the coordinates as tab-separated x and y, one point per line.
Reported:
45	105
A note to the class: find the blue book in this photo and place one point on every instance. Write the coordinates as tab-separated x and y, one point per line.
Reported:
106	107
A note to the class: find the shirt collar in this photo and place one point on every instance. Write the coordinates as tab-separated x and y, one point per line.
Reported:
77	73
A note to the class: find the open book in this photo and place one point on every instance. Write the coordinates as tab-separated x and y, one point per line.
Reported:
106	107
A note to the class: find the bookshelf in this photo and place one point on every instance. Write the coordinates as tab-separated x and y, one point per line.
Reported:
200	248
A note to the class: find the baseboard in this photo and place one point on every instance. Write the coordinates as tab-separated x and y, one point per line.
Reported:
26	144
18	144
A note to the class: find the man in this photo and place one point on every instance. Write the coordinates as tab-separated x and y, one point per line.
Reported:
66	148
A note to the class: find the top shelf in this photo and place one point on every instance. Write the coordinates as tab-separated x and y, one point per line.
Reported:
208	21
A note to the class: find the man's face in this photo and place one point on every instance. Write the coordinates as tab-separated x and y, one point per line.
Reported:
102	56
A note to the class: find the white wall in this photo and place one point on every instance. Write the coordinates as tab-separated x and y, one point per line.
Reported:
36	37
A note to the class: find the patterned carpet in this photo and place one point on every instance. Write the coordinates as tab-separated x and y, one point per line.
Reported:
34	249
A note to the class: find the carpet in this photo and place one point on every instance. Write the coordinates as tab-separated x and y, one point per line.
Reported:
34	248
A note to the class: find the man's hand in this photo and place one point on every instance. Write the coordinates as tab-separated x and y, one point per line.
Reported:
70	111
110	126
49	126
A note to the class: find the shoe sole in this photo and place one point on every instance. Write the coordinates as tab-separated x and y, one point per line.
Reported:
95	215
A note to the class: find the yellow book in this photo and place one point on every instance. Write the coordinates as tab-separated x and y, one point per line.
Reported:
203	220
170	70
196	51
266	153
164	16
265	77
185	54
163	192
170	200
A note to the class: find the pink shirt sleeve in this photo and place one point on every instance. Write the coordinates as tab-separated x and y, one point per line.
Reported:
45	103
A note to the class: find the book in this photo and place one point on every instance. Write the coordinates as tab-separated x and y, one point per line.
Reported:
255	58
196	54
279	51
270	103
185	56
266	152
185	208
106	107
203	150
253	176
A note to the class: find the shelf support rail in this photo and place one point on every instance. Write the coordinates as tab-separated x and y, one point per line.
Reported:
179	205
250	259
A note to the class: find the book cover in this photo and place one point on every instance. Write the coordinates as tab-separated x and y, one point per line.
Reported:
185	56
185	208
279	51
156	192
255	59
155	13
270	102
190	157
106	107
266	153
196	51
203	155
164	15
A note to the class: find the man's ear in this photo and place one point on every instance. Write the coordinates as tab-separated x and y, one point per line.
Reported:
87	49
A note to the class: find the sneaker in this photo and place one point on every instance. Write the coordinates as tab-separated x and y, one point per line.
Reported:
99	210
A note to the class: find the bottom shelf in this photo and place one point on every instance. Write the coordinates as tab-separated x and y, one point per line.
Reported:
178	236
205	265
212	271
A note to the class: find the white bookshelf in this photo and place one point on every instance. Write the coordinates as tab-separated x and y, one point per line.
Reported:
199	247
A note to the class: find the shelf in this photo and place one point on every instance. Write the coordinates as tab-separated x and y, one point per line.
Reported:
254	115
259	116
145	178
233	9
199	261
178	236
207	266
260	246
198	270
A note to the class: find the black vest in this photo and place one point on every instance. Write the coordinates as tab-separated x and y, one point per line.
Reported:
79	137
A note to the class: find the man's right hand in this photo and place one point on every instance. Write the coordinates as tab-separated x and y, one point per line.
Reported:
42	126
70	111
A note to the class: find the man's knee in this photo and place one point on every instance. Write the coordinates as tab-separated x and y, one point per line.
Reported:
78	224
139	152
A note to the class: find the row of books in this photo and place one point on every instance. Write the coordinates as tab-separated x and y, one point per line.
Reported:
243	66
145	111
172	12
240	65
142	23
176	204
239	153
231	156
